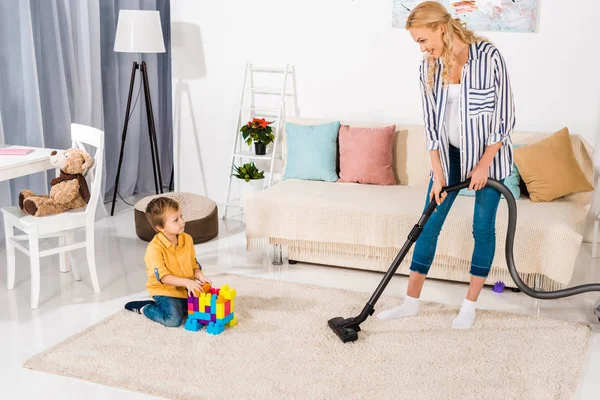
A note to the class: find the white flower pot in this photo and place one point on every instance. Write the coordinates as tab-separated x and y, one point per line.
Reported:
254	185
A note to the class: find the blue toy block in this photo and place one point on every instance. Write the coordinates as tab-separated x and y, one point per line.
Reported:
192	325
213	304
225	321
215	328
201	316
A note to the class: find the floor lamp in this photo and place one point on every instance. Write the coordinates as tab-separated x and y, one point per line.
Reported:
139	31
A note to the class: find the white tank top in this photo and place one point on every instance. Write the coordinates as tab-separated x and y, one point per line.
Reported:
452	119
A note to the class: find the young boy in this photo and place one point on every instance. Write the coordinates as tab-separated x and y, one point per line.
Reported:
171	265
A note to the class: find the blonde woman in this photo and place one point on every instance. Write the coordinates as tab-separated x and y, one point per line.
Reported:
469	115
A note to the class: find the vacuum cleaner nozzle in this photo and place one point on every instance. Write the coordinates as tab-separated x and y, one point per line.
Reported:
346	329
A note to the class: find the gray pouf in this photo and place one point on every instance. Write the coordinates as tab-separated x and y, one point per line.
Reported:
200	213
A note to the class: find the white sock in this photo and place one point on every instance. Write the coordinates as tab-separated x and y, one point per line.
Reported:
466	316
409	308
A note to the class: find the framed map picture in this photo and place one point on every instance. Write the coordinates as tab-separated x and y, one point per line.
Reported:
480	15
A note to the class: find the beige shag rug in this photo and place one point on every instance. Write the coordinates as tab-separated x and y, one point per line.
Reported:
282	348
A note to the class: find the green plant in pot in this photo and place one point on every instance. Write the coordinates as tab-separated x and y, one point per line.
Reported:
251	175
260	132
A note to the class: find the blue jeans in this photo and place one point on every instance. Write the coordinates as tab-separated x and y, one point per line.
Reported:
169	311
484	225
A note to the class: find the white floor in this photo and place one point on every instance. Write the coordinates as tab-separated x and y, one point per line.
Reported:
67	307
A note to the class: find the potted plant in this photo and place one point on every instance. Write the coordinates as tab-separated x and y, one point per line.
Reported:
252	176
259	132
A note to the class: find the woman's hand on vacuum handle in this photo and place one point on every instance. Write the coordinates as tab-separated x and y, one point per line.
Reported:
439	181
436	190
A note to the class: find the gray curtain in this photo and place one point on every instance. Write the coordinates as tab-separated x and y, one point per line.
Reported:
57	66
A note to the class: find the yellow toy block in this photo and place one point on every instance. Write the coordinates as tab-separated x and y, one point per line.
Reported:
224	288
232	305
220	310
232	323
202	301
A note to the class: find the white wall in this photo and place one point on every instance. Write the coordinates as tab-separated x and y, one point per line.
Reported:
351	65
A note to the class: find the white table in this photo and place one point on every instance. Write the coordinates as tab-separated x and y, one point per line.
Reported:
14	166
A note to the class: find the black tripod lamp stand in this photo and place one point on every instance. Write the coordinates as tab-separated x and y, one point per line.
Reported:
139	31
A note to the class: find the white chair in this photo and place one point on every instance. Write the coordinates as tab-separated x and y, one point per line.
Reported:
60	225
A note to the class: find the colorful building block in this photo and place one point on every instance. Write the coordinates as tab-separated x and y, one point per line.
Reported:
233	321
214	308
215	328
192	325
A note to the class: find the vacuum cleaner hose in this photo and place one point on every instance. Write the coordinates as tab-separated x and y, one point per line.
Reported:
510	239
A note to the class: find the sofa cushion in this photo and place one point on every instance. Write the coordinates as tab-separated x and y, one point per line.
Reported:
412	161
312	151
366	155
549	168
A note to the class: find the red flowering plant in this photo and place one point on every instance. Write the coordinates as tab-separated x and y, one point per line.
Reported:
259	131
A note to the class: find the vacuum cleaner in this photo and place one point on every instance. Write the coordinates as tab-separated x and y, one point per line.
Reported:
347	328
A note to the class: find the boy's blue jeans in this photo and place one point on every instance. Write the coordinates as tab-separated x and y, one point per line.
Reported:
169	311
484	225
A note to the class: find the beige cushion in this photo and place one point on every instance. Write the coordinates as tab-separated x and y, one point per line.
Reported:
549	168
200	214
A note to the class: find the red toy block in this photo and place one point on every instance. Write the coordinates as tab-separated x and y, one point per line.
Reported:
227	307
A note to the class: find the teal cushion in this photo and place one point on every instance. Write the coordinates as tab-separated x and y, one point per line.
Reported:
511	182
312	152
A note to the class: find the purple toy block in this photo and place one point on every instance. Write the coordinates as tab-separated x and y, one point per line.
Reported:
213	317
499	287
207	309
195	304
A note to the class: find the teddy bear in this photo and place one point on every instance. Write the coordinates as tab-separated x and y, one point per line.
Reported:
68	191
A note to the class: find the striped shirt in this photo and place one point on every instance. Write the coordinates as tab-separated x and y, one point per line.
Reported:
486	112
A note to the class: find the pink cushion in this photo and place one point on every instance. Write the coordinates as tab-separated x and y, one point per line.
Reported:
366	155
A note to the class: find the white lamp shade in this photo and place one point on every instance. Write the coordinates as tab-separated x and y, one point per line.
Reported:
139	31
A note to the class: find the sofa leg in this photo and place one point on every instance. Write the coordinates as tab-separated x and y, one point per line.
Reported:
292	262
277	255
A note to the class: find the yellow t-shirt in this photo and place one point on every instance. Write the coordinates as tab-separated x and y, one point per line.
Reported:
163	258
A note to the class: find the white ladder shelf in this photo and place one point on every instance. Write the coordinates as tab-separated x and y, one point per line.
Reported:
277	114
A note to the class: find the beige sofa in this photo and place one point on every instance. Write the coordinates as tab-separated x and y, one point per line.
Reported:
364	226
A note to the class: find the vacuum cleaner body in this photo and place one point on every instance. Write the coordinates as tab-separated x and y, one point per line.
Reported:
347	328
